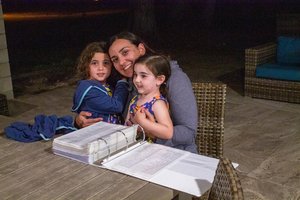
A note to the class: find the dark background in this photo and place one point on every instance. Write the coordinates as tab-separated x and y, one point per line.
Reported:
208	26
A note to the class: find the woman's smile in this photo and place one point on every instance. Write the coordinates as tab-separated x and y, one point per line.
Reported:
126	67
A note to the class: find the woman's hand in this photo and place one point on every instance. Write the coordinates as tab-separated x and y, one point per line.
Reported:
82	120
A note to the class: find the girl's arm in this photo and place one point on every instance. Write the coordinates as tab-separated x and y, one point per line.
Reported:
163	127
97	99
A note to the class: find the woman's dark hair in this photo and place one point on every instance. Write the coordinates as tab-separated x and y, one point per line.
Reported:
86	56
158	65
134	39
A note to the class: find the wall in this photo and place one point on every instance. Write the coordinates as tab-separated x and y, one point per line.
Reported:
5	75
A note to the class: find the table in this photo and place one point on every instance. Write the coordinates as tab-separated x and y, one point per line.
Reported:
32	171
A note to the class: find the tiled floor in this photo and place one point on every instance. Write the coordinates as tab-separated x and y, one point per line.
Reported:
263	136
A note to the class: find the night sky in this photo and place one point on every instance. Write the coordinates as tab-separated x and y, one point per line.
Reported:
19	5
239	24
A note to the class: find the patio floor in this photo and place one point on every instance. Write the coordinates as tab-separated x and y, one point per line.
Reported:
263	136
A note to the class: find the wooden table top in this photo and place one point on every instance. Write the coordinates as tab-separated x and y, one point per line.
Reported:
32	171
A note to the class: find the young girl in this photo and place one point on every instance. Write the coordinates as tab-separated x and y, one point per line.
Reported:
93	94
149	77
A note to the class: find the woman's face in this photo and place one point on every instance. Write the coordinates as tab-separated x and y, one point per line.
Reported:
123	54
100	67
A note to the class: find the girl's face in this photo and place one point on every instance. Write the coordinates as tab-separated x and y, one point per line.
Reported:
123	54
100	67
145	81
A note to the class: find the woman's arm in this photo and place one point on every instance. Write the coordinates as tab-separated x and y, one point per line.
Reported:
183	109
82	119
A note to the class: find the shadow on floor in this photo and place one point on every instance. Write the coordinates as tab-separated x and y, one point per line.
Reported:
234	80
16	108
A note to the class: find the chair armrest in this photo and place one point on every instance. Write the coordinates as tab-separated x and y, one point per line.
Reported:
259	55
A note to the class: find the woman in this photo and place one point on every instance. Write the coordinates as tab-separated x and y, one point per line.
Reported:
124	49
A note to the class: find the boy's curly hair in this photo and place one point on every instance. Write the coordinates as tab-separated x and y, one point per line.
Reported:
86	56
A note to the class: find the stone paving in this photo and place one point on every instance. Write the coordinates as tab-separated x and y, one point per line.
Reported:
263	136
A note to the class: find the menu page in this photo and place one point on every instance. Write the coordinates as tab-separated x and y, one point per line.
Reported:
170	167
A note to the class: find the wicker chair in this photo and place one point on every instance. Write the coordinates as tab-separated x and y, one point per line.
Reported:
226	184
210	99
280	90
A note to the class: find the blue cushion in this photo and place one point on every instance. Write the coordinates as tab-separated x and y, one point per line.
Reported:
288	50
278	71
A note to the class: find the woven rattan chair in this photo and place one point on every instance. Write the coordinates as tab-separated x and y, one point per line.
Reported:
280	90
226	184
210	99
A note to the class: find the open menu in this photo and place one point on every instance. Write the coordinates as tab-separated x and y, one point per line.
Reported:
115	147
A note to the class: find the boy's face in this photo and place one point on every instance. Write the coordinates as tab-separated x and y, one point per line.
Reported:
100	67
